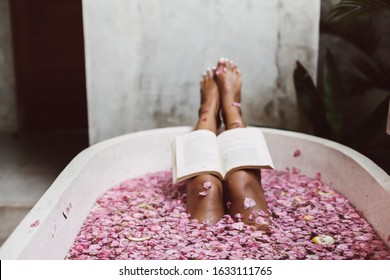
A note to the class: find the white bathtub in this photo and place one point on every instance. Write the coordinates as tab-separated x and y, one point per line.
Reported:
63	208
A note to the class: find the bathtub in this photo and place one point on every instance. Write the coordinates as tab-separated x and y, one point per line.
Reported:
48	231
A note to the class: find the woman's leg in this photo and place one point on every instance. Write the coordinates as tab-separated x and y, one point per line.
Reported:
243	193
207	207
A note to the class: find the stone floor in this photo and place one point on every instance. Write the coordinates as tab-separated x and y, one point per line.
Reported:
28	166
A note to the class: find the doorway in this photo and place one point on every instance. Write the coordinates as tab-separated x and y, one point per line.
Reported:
49	65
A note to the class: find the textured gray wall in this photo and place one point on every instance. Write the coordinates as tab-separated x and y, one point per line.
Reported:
8	115
144	59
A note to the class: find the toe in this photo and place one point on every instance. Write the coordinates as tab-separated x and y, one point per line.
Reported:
228	64
204	76
234	66
222	61
210	74
221	65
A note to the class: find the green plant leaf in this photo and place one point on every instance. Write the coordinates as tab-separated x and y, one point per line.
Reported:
363	35
376	72
309	99
372	125
333	97
347	10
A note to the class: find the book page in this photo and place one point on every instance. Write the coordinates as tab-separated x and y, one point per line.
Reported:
243	147
197	152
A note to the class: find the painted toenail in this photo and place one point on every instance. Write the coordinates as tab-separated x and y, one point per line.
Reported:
236	104
224	69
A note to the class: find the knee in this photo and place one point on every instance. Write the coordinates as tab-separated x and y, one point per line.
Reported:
243	178
198	182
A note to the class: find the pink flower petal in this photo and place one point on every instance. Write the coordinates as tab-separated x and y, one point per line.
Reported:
207	185
35	224
261	221
249	203
203	193
263	213
238	216
297	153
238	225
150	205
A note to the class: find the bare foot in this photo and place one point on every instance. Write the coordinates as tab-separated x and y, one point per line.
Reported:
229	82
209	103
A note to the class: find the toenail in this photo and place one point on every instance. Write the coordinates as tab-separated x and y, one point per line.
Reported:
236	104
224	69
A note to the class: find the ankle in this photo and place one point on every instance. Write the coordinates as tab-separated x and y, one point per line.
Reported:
233	120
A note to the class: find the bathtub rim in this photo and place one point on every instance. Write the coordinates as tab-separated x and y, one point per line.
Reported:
367	164
13	246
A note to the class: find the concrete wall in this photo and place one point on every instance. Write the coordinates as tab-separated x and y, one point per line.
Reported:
8	115
144	58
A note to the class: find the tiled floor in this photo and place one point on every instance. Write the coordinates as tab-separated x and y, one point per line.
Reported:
28	166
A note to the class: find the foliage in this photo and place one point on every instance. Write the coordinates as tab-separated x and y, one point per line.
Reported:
347	10
354	22
326	107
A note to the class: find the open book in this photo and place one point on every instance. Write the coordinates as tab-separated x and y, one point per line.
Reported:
201	151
